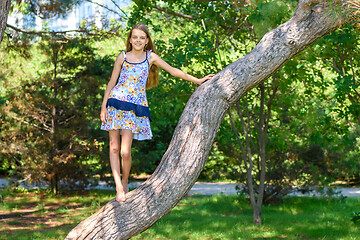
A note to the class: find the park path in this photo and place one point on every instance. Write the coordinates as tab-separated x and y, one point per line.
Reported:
206	188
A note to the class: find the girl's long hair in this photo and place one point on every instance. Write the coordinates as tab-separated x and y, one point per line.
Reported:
153	78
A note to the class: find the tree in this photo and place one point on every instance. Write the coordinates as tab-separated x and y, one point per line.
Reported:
48	118
4	12
46	123
197	127
257	118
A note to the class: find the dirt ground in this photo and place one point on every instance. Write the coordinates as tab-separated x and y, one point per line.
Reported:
32	211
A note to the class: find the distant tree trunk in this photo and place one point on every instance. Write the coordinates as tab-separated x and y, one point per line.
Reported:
54	120
52	151
262	130
4	12
262	144
53	183
256	200
256	197
199	123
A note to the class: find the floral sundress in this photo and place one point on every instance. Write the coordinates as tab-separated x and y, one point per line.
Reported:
127	105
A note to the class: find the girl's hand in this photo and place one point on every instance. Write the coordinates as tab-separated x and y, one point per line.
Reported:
204	79
103	115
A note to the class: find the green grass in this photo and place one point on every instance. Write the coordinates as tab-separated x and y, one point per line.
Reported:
220	217
38	215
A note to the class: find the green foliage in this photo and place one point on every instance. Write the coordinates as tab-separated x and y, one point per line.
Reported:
220	166
49	117
355	217
269	14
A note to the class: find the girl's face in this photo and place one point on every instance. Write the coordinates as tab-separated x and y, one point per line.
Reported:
138	39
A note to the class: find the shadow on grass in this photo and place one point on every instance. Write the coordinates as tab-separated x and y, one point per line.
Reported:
42	232
39	215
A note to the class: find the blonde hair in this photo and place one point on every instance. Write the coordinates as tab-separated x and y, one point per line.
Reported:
153	78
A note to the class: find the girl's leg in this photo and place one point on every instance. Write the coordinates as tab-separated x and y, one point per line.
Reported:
126	141
114	136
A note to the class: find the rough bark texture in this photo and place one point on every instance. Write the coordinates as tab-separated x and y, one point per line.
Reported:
4	12
198	125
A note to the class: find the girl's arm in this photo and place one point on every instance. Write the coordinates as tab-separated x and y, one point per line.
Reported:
177	72
115	74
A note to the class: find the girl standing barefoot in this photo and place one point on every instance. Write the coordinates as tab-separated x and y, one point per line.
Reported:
125	109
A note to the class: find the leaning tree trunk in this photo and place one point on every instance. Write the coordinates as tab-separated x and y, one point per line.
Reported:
4	12
199	123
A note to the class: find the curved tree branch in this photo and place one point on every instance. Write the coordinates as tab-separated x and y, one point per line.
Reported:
198	125
48	32
174	13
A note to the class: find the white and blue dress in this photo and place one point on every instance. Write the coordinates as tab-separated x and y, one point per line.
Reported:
127	105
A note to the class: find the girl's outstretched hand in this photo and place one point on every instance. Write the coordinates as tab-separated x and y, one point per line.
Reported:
204	79
103	115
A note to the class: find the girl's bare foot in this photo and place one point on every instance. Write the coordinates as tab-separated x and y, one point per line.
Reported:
120	196
125	187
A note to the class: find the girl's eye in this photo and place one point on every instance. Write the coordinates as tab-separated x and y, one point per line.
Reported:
135	37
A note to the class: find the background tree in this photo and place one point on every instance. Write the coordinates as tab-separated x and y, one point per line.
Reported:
49	117
64	71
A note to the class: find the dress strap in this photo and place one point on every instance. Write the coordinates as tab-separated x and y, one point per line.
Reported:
123	52
148	54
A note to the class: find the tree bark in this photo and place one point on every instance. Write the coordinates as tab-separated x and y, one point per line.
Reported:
199	123
4	12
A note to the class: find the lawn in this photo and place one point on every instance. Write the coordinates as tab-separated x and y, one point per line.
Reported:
38	215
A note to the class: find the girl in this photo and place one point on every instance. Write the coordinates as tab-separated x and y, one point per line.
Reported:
125	110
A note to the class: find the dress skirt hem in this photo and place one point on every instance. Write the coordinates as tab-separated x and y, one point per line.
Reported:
120	119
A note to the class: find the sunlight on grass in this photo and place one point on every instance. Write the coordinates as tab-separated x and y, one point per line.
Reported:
38	215
219	217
